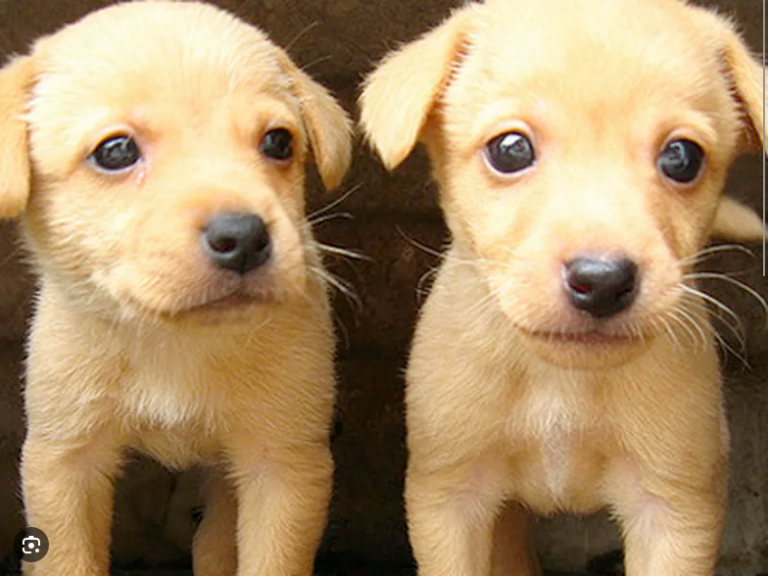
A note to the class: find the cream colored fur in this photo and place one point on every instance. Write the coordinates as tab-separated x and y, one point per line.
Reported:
137	340
516	401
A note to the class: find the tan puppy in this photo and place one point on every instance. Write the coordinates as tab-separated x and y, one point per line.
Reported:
157	153
564	360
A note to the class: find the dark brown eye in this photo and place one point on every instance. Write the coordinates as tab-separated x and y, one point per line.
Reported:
116	153
510	153
277	144
681	161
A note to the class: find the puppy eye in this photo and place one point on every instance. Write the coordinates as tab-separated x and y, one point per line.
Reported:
510	152
277	144
116	153
681	160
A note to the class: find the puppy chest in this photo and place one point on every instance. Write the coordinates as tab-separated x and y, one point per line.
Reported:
175	392
556	452
178	446
174	414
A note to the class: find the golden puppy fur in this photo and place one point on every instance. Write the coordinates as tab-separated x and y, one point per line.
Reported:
139	340
517	399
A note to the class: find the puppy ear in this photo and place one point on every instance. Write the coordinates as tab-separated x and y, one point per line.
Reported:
735	221
400	93
328	126
745	75
15	80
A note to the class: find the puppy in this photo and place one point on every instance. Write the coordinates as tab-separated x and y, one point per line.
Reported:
563	360
156	153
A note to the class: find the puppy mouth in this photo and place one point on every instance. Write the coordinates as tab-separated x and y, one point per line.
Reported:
232	306
596	337
235	300
583	338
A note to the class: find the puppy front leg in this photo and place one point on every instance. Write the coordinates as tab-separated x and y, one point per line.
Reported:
450	526
283	502
213	550
674	537
68	493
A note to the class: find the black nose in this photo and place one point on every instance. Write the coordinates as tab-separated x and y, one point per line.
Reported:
600	286
238	242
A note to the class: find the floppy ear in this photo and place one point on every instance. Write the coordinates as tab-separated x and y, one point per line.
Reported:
735	221
745	74
328	126
399	94
15	80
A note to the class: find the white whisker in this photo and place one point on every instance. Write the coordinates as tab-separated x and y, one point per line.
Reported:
343	252
332	205
301	34
738	329
733	281
711	251
341	285
328	217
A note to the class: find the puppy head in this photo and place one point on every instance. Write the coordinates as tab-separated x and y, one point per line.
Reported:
156	150
581	148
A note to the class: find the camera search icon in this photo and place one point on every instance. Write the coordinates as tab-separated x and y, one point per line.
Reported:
31	544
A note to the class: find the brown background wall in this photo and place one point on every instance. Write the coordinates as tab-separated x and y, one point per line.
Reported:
337	41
